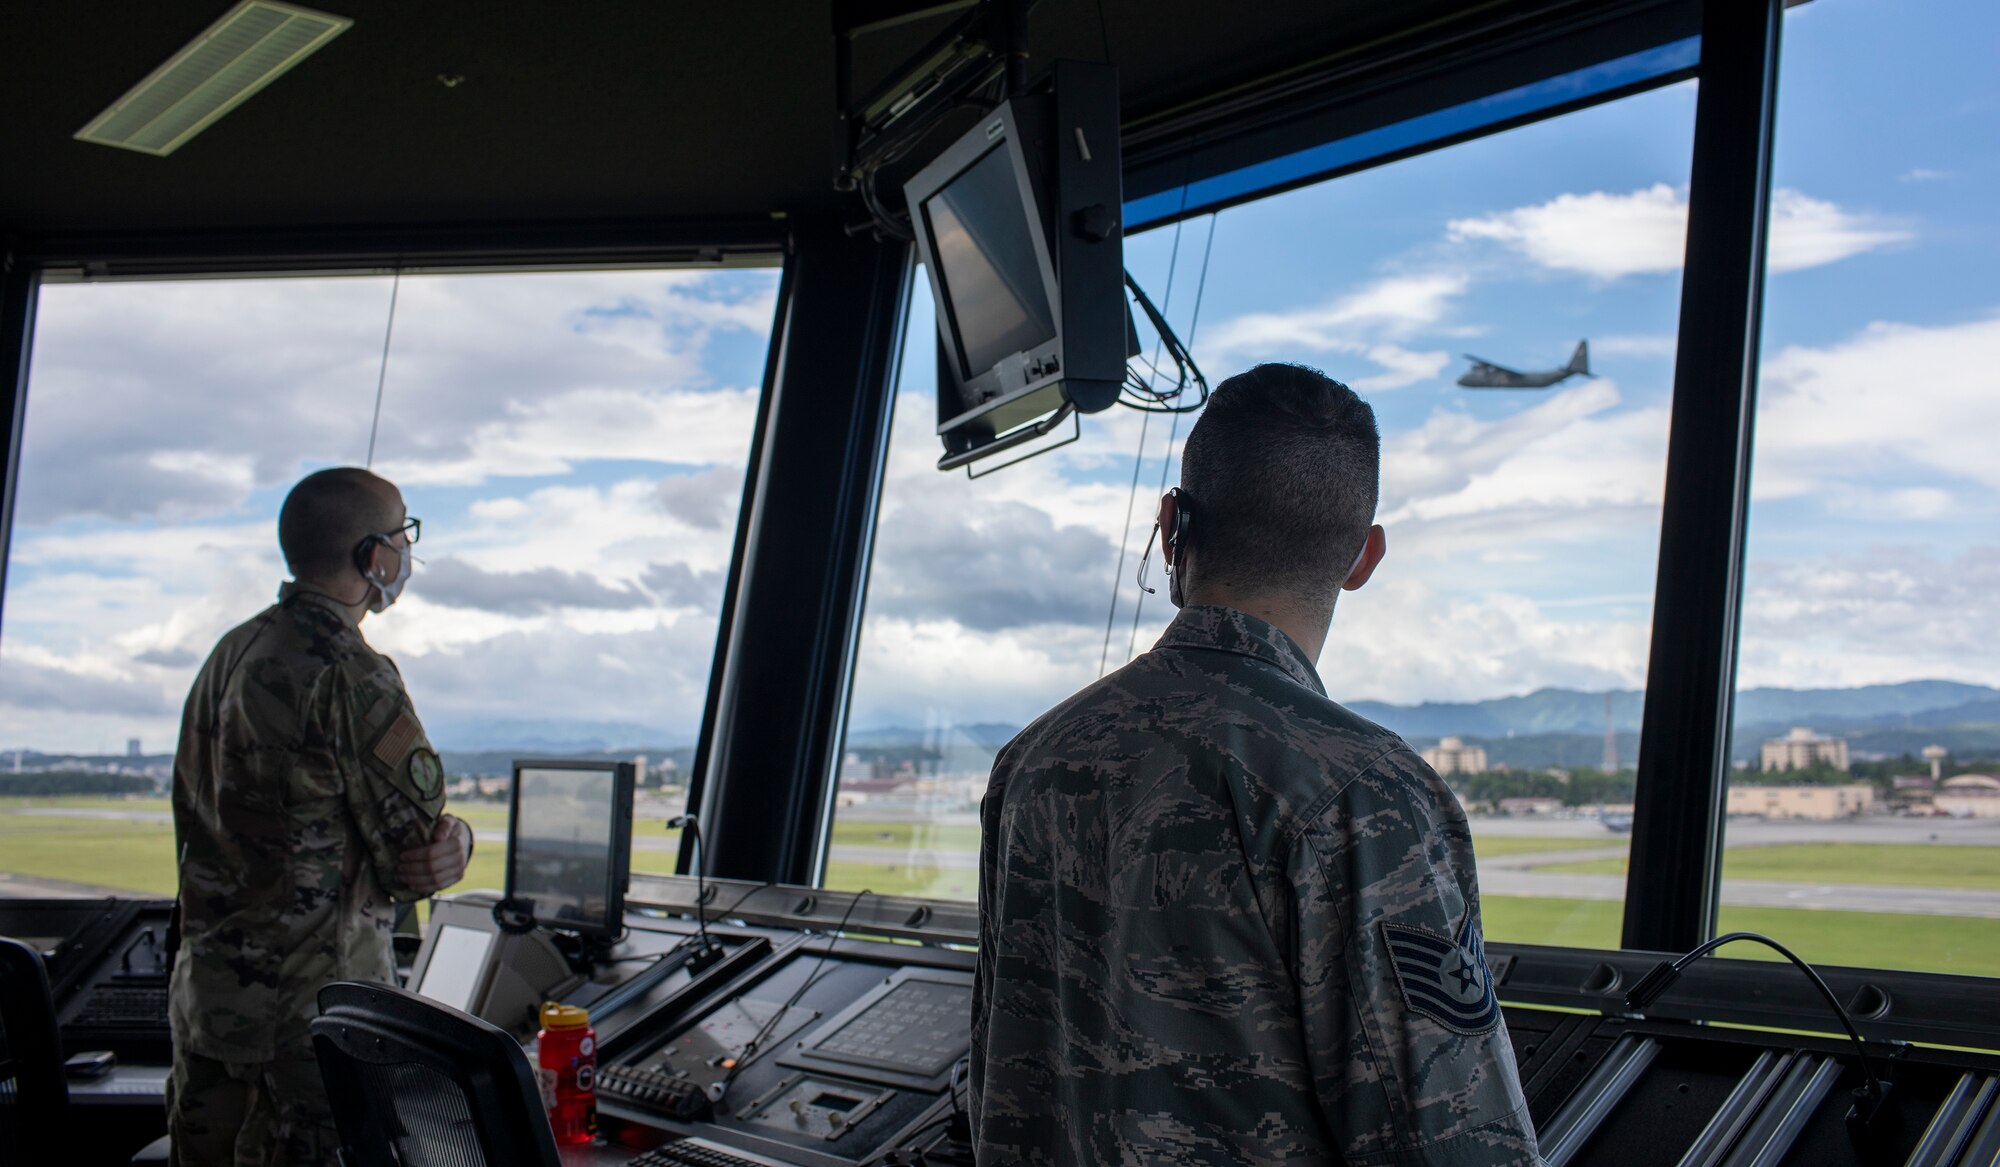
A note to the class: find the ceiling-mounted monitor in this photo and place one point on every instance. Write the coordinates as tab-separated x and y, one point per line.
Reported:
1017	224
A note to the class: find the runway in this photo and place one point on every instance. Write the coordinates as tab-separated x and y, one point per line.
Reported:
1499	875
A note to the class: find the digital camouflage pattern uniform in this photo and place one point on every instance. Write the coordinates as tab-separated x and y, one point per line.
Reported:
302	775
1225	921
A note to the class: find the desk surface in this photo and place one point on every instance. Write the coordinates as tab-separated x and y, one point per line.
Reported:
129	1082
591	1155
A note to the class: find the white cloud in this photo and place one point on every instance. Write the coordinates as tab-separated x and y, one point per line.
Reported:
1891	400
1404	639
1606	235
1365	323
1875	616
1654	345
1924	174
1573	450
159	407
1808	232
489	376
918	672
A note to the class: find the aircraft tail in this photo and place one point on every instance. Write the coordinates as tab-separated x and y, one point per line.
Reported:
1579	361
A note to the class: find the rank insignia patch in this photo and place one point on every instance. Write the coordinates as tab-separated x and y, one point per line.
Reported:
1446	980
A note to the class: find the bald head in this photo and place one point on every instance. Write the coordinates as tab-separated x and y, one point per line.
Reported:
329	513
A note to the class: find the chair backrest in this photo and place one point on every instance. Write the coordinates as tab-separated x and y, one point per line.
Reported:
417	1084
34	1099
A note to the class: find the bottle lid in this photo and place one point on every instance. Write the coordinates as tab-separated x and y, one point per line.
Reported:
559	1016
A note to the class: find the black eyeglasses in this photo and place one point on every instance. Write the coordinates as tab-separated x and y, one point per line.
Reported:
411	531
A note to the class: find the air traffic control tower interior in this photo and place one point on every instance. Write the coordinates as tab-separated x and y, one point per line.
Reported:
787	391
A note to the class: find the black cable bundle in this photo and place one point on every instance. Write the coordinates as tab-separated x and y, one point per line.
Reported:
710	950
1871	1116
1141	390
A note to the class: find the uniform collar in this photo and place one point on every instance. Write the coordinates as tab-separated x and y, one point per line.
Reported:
1228	630
290	594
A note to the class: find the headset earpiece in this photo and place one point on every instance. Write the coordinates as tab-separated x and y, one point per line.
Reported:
362	552
1183	522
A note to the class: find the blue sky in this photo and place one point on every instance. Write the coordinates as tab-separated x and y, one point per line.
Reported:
575	442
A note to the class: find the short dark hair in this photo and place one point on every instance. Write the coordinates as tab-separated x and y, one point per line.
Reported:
1283	471
328	514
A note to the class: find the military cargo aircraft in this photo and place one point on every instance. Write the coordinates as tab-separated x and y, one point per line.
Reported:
1487	375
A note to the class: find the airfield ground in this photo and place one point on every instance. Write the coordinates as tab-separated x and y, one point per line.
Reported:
1893	893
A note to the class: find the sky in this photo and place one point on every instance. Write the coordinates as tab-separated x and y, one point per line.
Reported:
575	442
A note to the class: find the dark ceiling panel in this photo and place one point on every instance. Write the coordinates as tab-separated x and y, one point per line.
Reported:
607	110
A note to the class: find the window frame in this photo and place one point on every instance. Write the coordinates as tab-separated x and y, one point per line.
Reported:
1673	881
662	245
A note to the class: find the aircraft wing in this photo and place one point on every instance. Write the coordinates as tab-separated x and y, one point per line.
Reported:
1485	365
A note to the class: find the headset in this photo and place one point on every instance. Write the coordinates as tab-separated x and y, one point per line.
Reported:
362	549
1176	541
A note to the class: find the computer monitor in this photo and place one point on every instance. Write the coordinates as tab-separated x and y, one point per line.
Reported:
569	844
457	965
1017	224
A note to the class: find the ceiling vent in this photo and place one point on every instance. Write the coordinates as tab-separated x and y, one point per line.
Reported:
253	44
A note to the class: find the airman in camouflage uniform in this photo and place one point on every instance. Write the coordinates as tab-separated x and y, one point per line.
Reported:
1223	920
304	788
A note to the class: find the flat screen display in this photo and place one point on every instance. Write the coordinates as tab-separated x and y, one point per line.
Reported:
991	274
562	862
457	959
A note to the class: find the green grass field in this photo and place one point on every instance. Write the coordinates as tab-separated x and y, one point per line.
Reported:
1898	864
1859	939
137	857
1492	846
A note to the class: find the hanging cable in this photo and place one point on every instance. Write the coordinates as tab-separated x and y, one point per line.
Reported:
1166	463
382	376
1139	457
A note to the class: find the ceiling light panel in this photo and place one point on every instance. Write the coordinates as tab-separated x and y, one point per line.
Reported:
253	44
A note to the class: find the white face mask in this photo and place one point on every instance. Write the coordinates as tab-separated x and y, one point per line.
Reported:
386	593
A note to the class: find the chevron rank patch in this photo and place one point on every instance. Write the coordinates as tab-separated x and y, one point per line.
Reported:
1446	980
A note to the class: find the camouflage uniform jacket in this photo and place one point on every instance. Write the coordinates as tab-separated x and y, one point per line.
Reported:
302	775
1223	920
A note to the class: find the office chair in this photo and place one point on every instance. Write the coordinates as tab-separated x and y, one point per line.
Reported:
413	1082
34	1098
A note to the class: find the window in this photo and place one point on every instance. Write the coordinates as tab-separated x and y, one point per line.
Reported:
1864	806
575	444
1508	628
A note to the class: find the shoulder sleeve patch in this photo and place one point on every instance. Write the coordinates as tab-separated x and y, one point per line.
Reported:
402	736
1445	979
426	773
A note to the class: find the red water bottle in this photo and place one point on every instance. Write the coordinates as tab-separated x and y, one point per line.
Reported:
567	1060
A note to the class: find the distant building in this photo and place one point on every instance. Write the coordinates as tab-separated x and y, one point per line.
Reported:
1453	756
1530	807
1802	749
1969	796
1802	802
132	748
1936	755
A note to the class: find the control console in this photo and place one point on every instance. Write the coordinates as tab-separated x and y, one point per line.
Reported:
826	1055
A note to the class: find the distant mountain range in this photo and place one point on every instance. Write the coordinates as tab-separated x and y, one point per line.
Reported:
1549	727
1565	727
548	736
988	734
1912	703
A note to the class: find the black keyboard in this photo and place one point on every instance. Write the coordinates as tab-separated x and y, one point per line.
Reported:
676	1098
123	1007
700	1153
